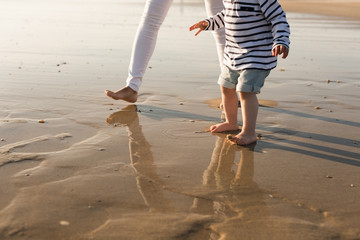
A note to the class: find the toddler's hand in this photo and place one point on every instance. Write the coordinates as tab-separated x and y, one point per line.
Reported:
280	49
201	25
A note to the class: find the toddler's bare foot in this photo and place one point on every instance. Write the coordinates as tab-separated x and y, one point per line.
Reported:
126	94
223	127
243	139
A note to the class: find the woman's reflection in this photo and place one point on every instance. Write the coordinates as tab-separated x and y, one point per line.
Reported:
149	184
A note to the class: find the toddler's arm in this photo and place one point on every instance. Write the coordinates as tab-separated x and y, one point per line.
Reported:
280	49
275	15
212	23
202	25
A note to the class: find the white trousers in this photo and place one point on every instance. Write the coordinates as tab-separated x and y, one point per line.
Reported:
145	40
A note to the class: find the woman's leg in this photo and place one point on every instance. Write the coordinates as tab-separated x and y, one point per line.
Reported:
144	44
212	8
145	40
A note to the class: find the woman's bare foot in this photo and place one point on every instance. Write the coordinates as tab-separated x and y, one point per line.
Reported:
126	94
243	139
223	127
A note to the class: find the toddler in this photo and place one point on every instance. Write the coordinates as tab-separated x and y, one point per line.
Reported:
256	33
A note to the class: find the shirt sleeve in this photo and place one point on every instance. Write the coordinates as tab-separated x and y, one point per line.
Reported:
215	22
274	14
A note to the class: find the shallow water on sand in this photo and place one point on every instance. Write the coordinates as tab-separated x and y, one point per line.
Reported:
99	169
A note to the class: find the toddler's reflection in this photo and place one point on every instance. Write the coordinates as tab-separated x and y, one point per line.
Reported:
232	194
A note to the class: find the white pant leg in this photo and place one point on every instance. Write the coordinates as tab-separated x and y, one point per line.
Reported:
212	8
145	40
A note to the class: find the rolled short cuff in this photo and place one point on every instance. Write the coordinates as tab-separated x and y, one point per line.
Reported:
247	80
248	88
222	82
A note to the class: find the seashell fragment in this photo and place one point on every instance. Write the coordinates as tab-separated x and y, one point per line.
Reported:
64	223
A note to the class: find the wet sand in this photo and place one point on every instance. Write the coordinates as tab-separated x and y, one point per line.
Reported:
77	165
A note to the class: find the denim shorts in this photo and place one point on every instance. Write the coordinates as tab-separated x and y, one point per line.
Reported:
247	80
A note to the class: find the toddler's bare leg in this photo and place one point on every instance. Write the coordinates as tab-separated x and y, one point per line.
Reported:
230	104
126	94
249	109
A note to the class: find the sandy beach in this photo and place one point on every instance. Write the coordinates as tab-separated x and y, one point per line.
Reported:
75	164
340	8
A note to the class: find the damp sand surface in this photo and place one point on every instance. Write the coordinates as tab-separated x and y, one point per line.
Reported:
75	164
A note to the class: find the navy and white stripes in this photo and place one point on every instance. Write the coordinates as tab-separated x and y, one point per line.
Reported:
252	28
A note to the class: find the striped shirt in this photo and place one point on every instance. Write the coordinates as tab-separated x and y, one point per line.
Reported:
252	29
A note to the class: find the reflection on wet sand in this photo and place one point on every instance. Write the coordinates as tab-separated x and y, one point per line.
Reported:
149	184
228	203
238	202
231	199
